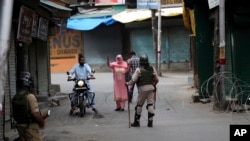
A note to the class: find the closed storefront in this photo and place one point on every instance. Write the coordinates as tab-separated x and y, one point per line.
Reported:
175	44
101	42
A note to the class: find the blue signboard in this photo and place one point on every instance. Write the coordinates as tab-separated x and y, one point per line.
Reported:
148	4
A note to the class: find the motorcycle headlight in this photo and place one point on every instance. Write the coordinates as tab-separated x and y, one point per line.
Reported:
80	83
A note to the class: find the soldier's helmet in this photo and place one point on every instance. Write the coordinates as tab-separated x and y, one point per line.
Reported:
144	60
24	79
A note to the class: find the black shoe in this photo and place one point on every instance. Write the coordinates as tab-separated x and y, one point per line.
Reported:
135	124
150	123
117	109
122	110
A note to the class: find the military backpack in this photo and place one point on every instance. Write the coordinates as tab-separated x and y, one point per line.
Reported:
21	110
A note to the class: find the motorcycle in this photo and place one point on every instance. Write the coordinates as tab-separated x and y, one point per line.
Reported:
79	99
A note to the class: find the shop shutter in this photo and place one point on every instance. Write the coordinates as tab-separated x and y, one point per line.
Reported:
229	66
42	67
242	57
174	44
179	44
204	49
33	63
11	79
142	42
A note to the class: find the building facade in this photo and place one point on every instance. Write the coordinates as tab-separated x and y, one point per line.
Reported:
32	23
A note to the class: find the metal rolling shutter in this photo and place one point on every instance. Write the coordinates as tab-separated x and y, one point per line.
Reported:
179	50
174	44
33	63
229	66
242	57
11	79
42	67
142	42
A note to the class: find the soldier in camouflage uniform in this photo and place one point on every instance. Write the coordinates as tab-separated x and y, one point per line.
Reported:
146	77
29	120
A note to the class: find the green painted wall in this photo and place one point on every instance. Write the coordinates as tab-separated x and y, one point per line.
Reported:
204	47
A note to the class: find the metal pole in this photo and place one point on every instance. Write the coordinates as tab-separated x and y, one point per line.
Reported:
216	89
5	26
153	11
222	45
6	7
159	41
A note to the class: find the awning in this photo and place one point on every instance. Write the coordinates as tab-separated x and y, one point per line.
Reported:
52	4
99	12
89	23
131	15
88	19
95	18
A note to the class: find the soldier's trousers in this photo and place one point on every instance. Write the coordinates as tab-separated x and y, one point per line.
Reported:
142	97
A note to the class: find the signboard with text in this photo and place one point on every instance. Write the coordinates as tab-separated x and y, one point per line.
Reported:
148	4
25	25
43	29
109	2
67	46
213	3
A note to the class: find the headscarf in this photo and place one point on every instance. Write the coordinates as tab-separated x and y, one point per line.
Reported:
119	62
119	59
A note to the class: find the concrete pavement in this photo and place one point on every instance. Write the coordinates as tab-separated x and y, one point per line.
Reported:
177	117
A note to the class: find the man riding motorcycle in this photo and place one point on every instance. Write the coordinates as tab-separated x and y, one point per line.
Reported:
82	70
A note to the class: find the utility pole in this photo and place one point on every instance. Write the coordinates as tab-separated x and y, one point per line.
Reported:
216	89
5	26
154	29
158	54
222	59
6	8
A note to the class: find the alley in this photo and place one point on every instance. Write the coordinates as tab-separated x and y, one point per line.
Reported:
177	117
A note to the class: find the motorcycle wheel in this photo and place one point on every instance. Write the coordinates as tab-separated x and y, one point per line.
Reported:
81	106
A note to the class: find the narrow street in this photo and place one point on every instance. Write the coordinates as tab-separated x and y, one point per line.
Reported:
177	117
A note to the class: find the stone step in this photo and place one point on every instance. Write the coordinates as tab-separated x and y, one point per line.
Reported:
11	135
54	88
42	98
57	98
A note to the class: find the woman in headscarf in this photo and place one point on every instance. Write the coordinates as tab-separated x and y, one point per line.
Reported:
119	68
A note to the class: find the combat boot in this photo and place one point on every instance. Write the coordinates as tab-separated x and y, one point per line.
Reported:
150	123
150	119
136	121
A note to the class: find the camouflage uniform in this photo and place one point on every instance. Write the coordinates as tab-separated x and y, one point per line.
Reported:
144	79
30	131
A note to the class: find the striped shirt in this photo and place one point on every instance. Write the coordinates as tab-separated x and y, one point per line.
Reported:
134	63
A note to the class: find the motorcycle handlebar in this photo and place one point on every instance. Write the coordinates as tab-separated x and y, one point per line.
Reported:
71	79
74	79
